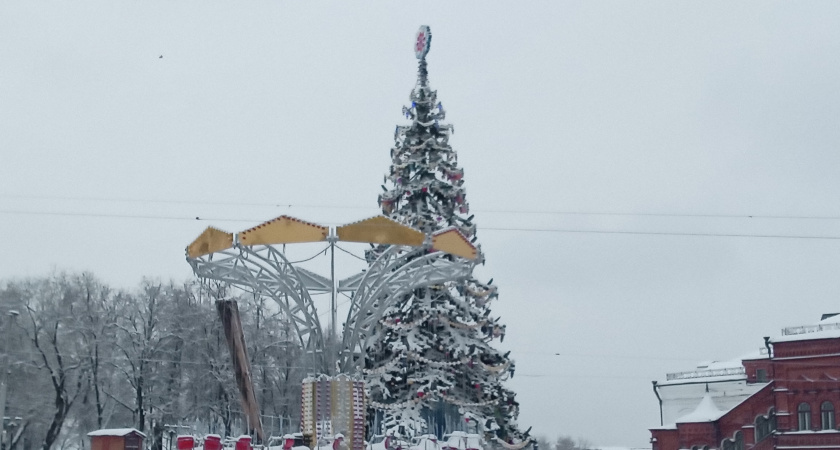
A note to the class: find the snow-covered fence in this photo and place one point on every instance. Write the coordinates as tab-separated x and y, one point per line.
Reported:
727	371
791	331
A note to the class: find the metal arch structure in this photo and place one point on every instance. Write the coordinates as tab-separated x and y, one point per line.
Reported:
264	270
412	260
398	271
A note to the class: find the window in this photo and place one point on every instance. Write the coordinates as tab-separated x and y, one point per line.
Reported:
804	413
761	375
736	443
827	415
765	425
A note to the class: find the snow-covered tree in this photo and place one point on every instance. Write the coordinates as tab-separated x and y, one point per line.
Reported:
430	361
82	355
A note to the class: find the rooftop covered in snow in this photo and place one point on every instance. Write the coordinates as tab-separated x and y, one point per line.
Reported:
827	328
115	432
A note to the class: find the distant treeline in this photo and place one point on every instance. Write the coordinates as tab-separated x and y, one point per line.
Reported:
564	443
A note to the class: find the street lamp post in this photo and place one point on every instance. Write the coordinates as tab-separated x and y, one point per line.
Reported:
5	381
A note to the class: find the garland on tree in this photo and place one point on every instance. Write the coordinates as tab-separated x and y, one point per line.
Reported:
433	345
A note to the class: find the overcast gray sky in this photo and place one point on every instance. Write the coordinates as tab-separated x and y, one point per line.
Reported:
676	120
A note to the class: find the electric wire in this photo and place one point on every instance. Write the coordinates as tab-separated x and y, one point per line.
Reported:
504	229
359	207
222	363
176	202
318	253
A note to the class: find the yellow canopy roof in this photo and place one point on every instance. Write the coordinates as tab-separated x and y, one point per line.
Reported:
380	230
210	241
452	241
283	230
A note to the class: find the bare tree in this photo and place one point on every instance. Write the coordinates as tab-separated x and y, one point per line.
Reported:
49	309
138	332
97	318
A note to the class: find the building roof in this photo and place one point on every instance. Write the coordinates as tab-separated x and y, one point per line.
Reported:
708	372
667	426
115	432
706	411
827	328
760	353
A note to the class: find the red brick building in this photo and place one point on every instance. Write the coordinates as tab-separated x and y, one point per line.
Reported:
782	398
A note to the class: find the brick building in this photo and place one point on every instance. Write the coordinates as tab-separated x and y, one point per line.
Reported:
782	397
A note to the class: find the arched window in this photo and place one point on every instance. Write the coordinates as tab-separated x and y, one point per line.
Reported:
804	413
827	415
735	443
765	425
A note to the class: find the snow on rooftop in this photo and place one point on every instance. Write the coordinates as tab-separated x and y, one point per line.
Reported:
832	318
709	372
706	411
718	365
758	354
115	432
714	371
828	328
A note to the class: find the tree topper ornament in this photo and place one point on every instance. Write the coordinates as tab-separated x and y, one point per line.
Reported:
422	41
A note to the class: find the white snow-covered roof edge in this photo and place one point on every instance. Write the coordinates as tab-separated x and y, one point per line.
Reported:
732	369
703	380
116	432
722	412
823	332
755	355
714	371
827	328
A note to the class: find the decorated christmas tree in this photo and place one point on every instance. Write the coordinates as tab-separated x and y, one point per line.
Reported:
430	366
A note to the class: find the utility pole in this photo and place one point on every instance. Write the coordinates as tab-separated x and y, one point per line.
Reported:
333	339
3	385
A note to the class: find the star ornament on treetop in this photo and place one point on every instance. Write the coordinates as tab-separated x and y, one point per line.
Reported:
423	41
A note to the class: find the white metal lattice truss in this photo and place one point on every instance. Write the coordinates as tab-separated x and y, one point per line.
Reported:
391	276
264	270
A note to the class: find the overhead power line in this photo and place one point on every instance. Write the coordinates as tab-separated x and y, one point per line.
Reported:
490	211
666	233
505	229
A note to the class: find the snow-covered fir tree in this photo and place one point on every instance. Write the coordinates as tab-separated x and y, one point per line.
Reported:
430	362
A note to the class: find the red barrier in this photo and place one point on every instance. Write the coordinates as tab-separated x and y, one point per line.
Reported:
212	442
186	442
244	443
